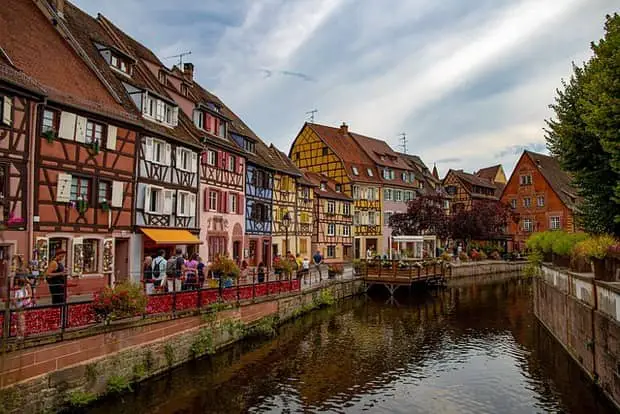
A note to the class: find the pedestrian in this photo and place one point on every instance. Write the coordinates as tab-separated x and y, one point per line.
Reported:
261	272
175	268
369	254
191	272
56	277
159	270
305	267
147	268
22	300
201	273
317	259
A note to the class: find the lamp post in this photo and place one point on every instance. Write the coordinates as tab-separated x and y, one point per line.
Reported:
286	223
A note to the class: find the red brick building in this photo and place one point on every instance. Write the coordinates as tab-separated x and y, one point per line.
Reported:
543	196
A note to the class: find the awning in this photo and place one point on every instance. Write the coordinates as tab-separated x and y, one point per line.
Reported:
170	236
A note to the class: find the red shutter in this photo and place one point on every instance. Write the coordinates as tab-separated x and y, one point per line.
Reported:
239	165
240	205
209	122
205	203
216	125
222	157
224	201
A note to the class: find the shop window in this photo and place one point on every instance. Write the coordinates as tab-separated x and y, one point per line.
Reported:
90	255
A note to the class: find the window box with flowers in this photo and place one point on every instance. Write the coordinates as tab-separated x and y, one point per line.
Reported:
104	204
50	135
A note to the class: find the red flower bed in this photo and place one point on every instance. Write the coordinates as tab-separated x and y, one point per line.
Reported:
245	292
296	284
229	294
208	297
187	300
81	314
261	289
285	286
273	288
159	304
37	321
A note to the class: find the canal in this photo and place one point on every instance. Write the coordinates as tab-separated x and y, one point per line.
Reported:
472	349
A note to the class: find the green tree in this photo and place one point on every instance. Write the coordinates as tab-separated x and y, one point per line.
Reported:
585	133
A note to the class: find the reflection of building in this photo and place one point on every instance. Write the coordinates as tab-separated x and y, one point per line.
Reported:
543	196
332	219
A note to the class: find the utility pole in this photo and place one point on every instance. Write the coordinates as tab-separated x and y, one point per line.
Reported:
180	56
403	142
310	114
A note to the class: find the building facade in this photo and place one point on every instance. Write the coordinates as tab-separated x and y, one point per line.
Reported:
543	196
463	188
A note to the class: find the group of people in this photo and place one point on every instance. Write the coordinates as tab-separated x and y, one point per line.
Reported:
178	272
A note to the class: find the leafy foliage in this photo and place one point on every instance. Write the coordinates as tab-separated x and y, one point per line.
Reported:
584	136
80	399
122	301
596	247
485	221
425	215
203	343
118	384
225	266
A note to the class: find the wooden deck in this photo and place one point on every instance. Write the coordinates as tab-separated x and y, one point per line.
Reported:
394	274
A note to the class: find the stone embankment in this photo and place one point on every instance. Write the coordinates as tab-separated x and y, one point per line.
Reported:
583	314
487	270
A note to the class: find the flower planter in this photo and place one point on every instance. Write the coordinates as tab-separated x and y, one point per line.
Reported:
598	267
580	265
561	261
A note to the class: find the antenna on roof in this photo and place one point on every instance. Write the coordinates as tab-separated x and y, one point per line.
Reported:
180	56
403	142
310	114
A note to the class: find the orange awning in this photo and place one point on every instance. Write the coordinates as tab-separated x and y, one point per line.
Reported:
170	236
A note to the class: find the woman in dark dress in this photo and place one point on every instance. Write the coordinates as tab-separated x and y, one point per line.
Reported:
56	276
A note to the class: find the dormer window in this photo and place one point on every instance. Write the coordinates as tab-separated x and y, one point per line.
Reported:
369	171
387	174
121	64
404	177
355	171
162	77
323	185
209	123
160	111
249	146
338	188
184	89
117	60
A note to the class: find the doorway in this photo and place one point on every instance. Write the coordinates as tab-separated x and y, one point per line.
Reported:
121	260
266	253
357	248
236	251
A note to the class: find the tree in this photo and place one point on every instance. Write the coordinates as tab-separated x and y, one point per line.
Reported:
486	220
425	215
585	133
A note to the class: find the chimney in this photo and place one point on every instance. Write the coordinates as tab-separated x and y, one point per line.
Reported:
59	7
188	71
344	129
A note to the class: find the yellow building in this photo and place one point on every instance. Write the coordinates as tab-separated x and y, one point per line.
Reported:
334	153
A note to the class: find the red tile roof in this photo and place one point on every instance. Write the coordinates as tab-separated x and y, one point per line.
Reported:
559	180
330	186
489	172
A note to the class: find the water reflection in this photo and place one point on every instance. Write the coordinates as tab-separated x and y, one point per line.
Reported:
468	350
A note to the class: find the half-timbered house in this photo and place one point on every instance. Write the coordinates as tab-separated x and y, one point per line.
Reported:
83	150
333	219
166	153
19	96
543	196
222	164
463	188
334	153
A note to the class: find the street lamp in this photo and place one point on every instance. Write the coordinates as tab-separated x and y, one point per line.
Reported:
286	223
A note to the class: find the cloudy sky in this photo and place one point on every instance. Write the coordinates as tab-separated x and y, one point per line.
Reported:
469	82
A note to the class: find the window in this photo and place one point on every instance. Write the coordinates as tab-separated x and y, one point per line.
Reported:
527	202
404	177
386	217
120	64
303	246
184	162
554	222
232	203
156	200
331	229
162	76
211	157
369	171
525	179
356	218
232	163
212	200
356	192
94	132
346	209
387	194
159	152
160	111
331	207
324	151
527	225
183	204
408	196
103	194
323	186
50	121
421	184
451	189
411	177
513	203
249	146
398	195
184	89
80	188
540	201
338	188
387	174
370	194
371	218
331	251
346	230
355	171
90	255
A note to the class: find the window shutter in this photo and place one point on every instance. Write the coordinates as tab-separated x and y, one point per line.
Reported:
167	203
175	115
194	165
239	165
177	157
205	199
168	153
63	188
111	139
147	198
197	115
148	149
221	157
179	206
80	129
240	205
7	106
117	194
78	255
67	126
223	202
192	205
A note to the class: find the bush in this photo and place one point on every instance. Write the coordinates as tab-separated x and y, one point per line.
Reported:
118	384
463	257
80	399
595	247
336	268
225	266
446	257
124	300
563	243
482	255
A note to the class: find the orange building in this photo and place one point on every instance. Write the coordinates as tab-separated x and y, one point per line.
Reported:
543	196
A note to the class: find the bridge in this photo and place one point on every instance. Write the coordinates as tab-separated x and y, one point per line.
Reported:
398	273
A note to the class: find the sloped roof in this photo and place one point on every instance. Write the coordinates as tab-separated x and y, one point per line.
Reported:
489	172
559	180
416	162
15	77
379	151
478	181
345	147
315	179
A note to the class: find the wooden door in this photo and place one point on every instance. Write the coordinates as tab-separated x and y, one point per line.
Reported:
121	260
4	272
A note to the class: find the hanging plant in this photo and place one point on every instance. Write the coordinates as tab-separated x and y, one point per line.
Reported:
81	206
49	135
105	206
94	146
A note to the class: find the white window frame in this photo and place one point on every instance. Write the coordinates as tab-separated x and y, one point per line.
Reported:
331	229
163	151
527	202
553	219
346	209
387	194
216	199
398	195
540	201
372	214
528	225
370	173
355	170
331	207
188	156
211	158
346	230
525	179
232	202
160	201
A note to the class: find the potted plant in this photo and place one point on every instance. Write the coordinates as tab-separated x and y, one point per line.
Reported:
123	301
80	205
334	269
105	205
49	135
283	267
225	269
596	248
95	145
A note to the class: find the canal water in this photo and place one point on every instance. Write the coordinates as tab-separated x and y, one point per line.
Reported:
472	349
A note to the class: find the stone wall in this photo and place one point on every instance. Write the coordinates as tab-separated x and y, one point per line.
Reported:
46	378
486	267
584	316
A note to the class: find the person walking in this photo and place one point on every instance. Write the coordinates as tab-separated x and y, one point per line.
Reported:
175	269
22	300
159	270
147	269
191	273
317	259
201	272
56	277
